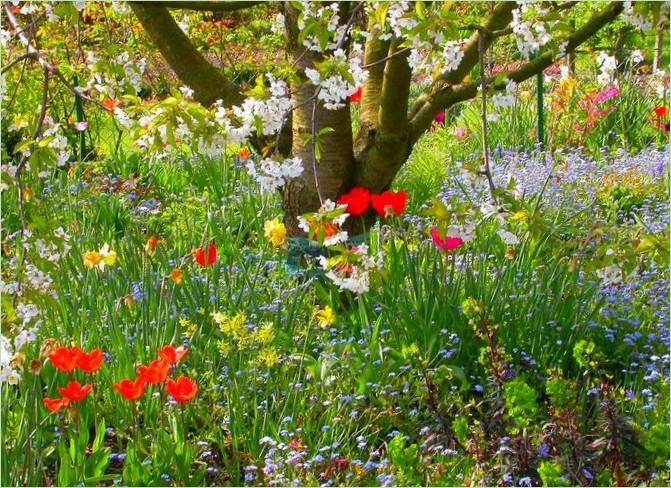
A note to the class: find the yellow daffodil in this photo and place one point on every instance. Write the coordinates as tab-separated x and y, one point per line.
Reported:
275	232
324	317
92	259
99	259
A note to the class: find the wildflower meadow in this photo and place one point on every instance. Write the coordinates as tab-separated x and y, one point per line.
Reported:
306	243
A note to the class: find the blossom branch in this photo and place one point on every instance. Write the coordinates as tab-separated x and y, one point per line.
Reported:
445	95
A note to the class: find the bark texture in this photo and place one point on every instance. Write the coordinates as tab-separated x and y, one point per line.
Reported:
207	82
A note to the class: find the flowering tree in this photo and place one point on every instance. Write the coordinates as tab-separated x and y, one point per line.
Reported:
299	116
400	38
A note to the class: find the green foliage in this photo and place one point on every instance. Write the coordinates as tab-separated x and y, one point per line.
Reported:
551	474
406	460
520	401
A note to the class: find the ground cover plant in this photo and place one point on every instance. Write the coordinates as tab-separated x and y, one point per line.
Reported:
354	243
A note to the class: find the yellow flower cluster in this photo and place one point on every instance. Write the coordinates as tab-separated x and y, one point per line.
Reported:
188	327
231	326
242	337
268	357
632	179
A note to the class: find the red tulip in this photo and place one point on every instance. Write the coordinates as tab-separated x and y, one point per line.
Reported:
172	355
205	257
65	358
74	391
356	96
155	372
182	390
661	111
91	361
447	243
389	203
357	200
55	404
129	389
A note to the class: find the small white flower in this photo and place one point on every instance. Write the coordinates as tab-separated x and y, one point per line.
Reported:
610	275
508	237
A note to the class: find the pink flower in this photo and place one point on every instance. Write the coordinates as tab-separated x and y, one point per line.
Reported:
81	126
440	117
447	243
461	132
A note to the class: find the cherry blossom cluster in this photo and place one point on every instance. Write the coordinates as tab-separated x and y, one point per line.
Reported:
272	174
323	226
28	316
266	113
530	34
506	99
316	19
334	88
633	18
397	21
117	76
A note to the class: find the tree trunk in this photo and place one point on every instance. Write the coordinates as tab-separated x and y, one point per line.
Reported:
657	57
334	170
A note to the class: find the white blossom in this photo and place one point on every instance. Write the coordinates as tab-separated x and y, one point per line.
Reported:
607	67
334	90
452	55
508	237
272	174
631	17
529	35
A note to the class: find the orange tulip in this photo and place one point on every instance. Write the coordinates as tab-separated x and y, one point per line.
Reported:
55	404
182	390
65	358
91	361
129	389
155	372
74	391
171	354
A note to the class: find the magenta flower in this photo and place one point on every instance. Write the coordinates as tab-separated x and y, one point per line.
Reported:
446	243
440	117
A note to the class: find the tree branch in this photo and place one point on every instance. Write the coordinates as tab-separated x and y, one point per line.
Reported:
33	54
207	82
204	6
498	21
374	50
389	149
447	95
